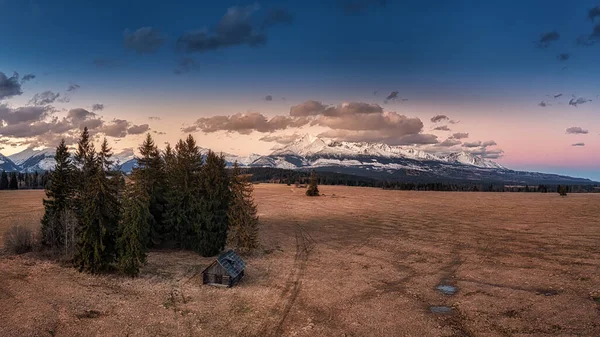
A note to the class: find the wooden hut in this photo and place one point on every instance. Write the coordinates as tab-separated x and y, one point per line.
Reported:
225	271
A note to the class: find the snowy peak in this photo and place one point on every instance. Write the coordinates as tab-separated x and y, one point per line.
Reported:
23	156
6	164
305	146
311	147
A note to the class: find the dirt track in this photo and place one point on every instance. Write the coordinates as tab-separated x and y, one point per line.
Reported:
364	262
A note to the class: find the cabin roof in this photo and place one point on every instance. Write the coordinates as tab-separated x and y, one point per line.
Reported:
231	262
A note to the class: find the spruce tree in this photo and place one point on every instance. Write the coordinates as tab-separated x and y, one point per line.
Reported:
216	196
243	221
98	209
134	229
184	194
313	190
4	181
150	174
59	194
13	184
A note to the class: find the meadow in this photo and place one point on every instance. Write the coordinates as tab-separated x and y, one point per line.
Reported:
353	262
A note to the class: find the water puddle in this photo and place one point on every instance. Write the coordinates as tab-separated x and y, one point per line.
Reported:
446	289
440	309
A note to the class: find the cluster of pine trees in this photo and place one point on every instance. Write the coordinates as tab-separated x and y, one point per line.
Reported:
176	198
9	181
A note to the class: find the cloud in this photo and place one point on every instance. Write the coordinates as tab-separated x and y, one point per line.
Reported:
98	107
392	96
159	132
383	137
117	128
276	16
185	65
593	13
280	139
576	101
308	108
460	135
488	154
439	118
472	144
576	130
27	114
144	40
547	38
595	33
578	144
244	123
9	86
442	128
268	98
154	118
234	29
44	98
361	6
138	129
563	57
449	142
27	78
489	143
73	87
585	41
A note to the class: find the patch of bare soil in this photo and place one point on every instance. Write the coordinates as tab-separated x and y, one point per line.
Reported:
366	262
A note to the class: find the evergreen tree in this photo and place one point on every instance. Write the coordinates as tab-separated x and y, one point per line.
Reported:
562	190
98	209
150	174
134	229
59	199
13	184
313	190
184	195
3	181
243	221
216	196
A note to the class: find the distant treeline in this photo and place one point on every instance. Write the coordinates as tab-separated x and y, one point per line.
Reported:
17	181
293	177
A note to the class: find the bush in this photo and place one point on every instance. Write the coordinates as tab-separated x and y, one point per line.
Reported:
18	239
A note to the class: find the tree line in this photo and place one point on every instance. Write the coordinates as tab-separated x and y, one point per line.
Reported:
175	198
19	180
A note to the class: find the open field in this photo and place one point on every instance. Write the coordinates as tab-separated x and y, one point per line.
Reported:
365	262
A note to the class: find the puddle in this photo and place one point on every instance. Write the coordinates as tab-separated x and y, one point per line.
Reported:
440	309
446	289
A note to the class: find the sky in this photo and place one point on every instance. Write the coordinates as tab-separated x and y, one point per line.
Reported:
246	77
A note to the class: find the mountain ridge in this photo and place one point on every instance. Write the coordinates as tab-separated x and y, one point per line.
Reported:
375	160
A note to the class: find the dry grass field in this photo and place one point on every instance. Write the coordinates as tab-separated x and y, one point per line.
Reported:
355	262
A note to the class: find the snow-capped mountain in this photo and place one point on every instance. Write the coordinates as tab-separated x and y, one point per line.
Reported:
31	160
7	165
319	152
373	160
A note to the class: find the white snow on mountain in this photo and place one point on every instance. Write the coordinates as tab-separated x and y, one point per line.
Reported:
314	147
21	157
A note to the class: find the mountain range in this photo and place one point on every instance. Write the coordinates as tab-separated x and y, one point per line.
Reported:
373	160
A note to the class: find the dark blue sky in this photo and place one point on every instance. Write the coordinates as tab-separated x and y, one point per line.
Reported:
479	60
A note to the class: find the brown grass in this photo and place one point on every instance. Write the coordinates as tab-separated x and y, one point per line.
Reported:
363	263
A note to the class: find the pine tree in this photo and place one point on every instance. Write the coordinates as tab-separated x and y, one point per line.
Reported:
183	194
216	196
150	174
562	190
98	209
243	221
313	190
59	200
4	181
13	184
134	229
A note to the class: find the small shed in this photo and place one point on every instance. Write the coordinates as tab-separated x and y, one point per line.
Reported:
225	271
